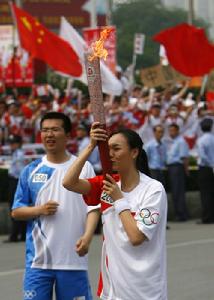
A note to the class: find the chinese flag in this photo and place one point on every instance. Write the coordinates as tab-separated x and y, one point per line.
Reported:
45	45
210	100
188	49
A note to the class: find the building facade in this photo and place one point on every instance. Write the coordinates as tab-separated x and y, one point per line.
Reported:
49	12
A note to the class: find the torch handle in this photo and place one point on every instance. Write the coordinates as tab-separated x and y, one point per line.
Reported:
104	156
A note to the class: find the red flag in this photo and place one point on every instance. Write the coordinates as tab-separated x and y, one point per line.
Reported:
188	49
210	100
45	45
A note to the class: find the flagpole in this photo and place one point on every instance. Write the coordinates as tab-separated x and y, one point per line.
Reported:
109	12
190	22
18	3
204	83
134	60
93	14
13	44
190	11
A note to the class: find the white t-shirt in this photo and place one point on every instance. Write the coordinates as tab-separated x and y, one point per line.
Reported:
136	272
51	240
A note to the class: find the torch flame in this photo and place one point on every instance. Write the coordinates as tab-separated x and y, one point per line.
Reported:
97	47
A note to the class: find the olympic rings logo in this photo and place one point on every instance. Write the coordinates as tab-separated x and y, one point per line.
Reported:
29	294
148	217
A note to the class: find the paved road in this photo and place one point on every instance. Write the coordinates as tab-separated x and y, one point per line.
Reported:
190	263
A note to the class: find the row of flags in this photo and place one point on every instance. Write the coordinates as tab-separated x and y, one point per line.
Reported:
185	47
64	53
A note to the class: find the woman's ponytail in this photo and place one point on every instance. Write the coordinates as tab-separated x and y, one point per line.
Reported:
142	162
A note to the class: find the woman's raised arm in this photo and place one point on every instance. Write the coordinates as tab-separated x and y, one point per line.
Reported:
71	180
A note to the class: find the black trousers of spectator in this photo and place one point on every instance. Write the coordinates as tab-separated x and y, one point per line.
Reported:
206	187
177	178
18	228
158	174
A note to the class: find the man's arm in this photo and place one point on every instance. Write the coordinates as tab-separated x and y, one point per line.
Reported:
184	153
32	212
183	90
82	245
186	165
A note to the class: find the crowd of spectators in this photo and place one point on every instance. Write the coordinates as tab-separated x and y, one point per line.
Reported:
141	110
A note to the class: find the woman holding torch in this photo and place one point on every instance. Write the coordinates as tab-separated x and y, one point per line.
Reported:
134	211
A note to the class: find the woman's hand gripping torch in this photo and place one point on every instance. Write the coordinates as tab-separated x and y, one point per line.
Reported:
92	62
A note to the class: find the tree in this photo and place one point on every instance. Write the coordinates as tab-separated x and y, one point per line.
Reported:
148	17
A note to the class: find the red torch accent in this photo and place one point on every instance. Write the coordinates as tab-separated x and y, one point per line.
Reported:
98	110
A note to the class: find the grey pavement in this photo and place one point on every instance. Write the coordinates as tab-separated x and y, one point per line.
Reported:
190	250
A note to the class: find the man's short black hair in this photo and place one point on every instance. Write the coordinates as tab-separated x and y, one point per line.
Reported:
54	115
14	139
174	125
206	125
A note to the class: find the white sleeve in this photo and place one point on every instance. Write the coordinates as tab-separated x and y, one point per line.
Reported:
88	172
152	210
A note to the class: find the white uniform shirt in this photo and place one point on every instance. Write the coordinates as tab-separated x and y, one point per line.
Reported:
136	272
51	240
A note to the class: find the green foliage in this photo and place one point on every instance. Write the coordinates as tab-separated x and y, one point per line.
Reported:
60	82
81	86
148	17
56	80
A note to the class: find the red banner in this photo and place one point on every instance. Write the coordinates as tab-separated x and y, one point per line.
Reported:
16	69
19	71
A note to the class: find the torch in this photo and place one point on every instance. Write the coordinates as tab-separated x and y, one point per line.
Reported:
92	62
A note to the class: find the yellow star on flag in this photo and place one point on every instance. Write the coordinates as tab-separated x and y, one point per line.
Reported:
26	23
45	45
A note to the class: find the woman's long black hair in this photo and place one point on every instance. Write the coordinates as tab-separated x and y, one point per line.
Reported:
134	141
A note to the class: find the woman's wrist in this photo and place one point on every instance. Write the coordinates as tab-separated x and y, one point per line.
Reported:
90	147
121	205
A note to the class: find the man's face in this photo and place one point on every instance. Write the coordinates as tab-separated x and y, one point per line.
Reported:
173	132
156	111
53	136
81	133
14	146
12	109
136	93
173	112
2	108
159	133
